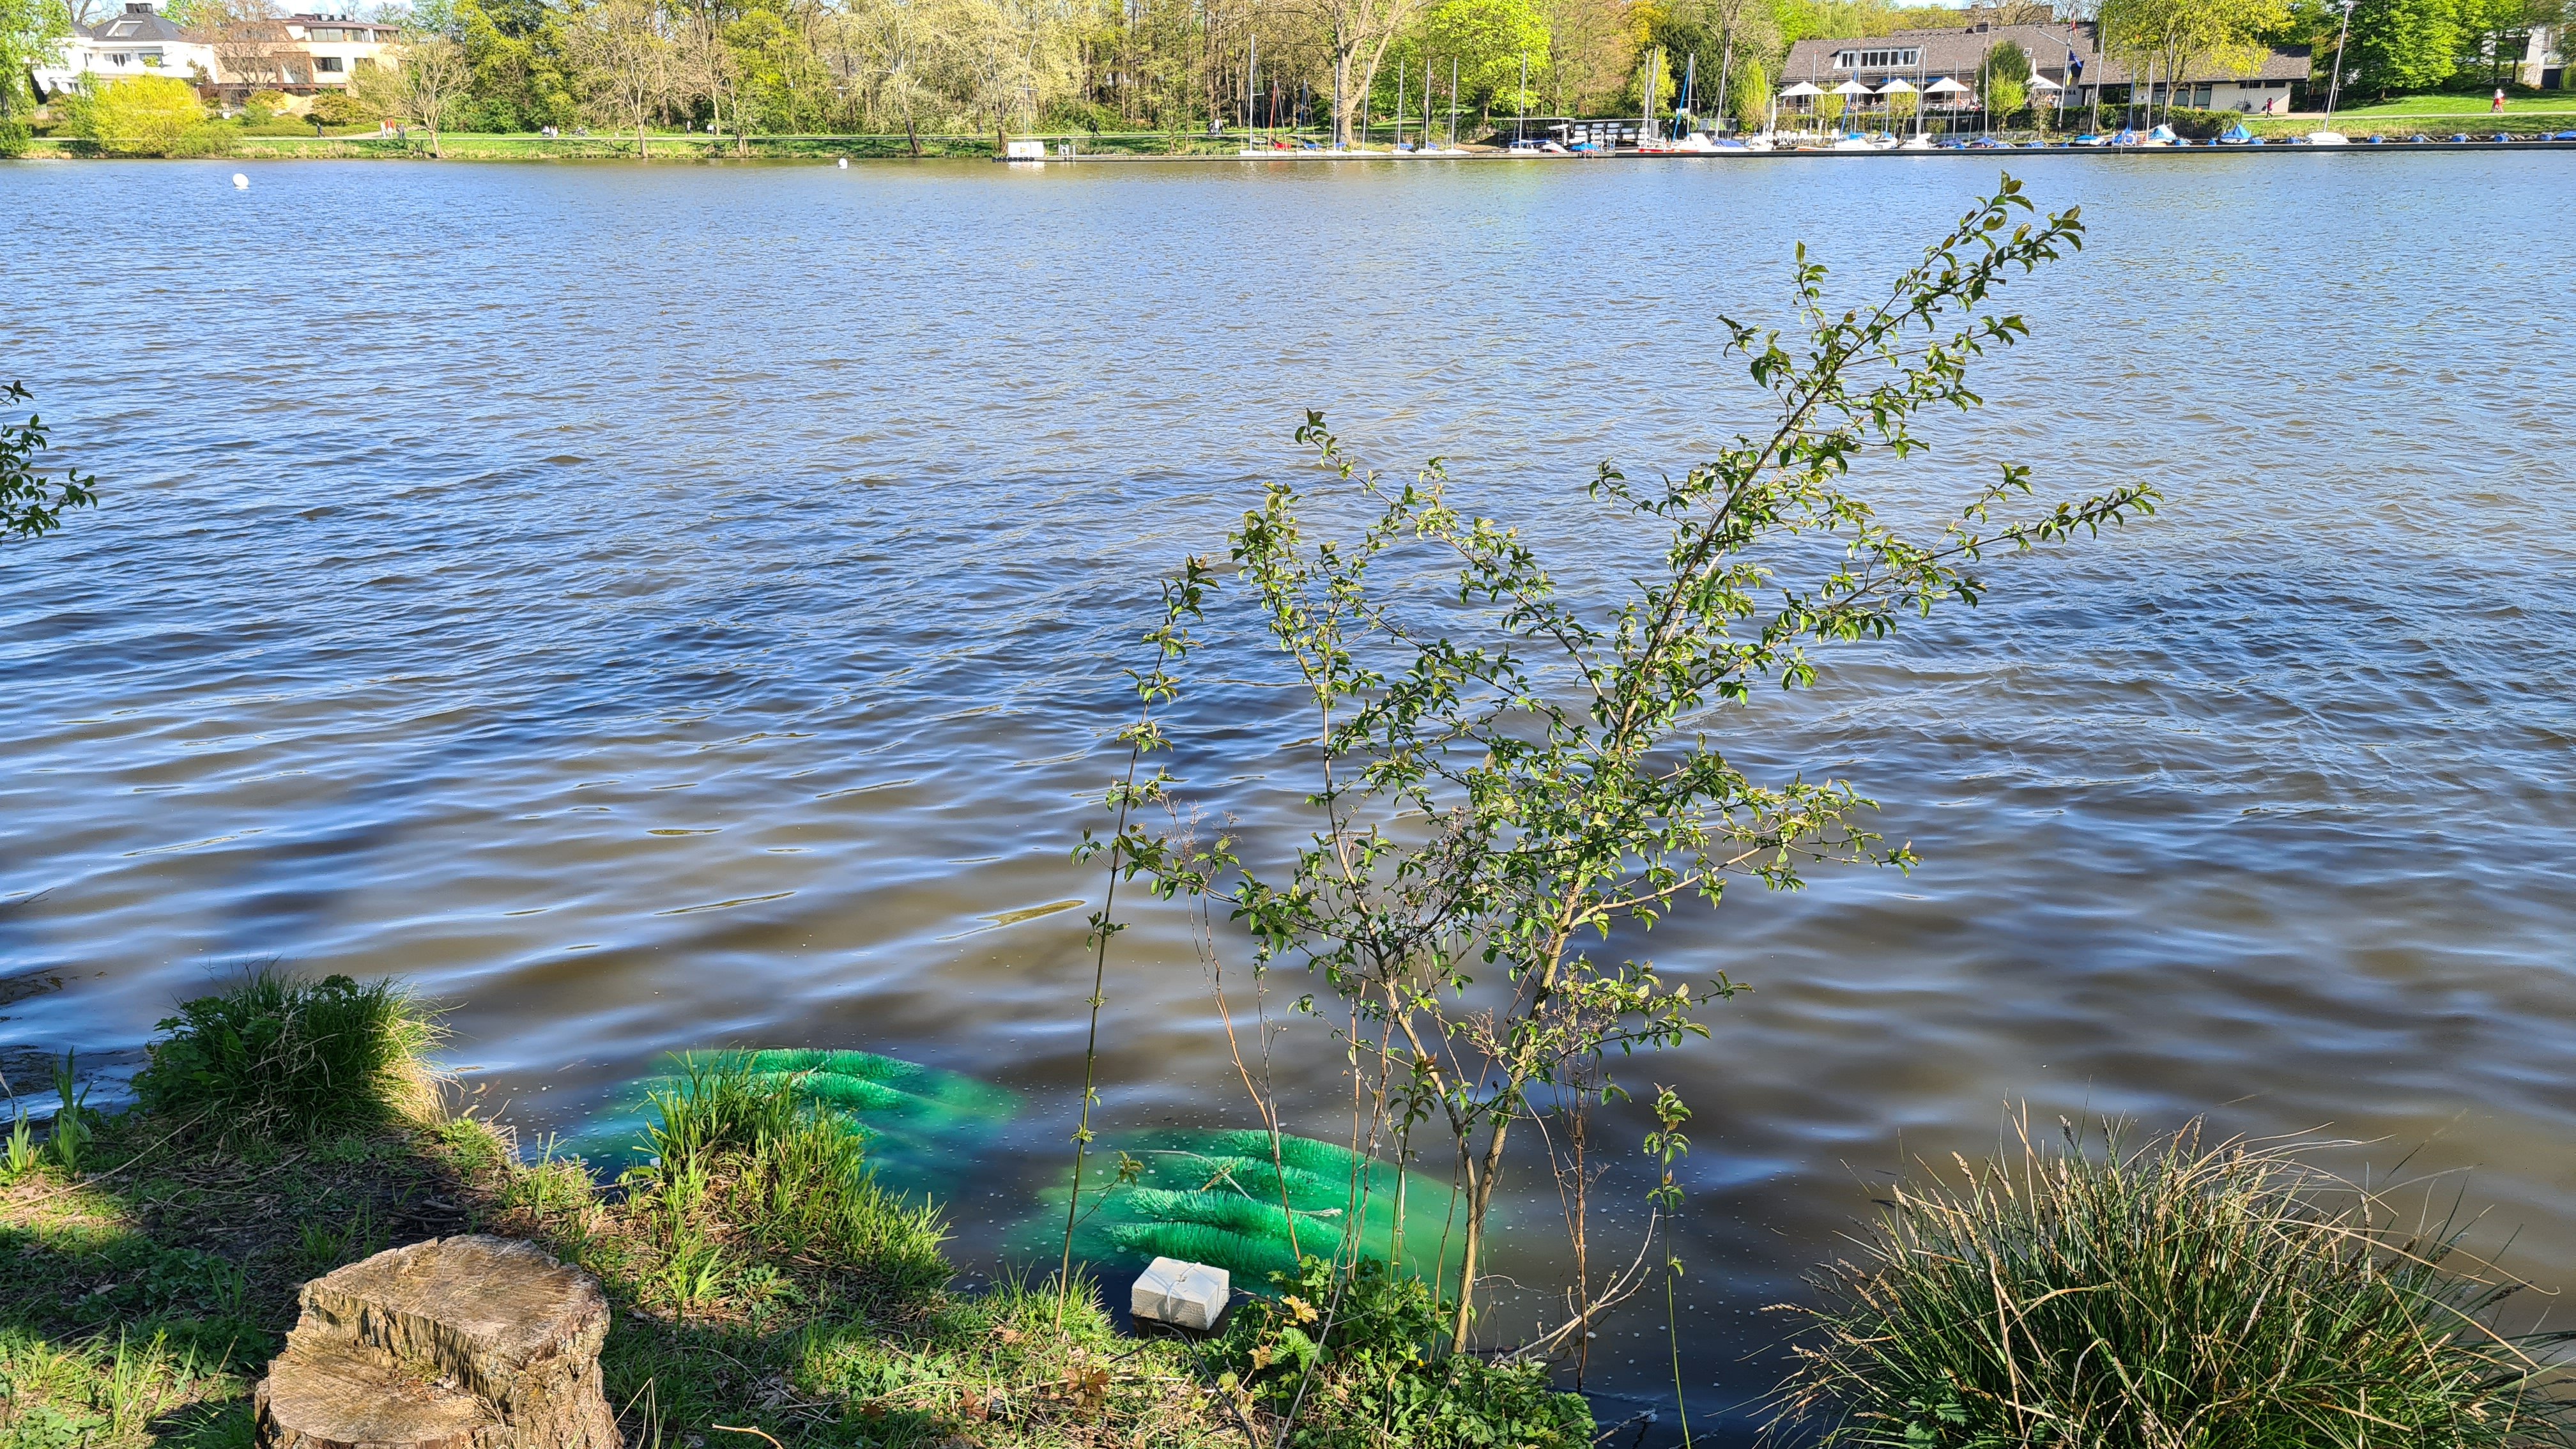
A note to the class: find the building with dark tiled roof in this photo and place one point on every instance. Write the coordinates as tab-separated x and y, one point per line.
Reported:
2064	53
298	54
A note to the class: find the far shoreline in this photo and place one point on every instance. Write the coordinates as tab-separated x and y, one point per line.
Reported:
699	148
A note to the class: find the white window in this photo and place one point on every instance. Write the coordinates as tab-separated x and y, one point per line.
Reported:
1847	60
328	64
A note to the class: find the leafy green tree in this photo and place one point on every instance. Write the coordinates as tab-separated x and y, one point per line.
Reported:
1501	812
32	33
31	504
2006	77
2401	45
1749	98
2162	40
523	79
2494	34
1488	39
1668	86
2008	62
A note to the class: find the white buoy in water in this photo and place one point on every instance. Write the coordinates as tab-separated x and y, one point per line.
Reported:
845	163
240	182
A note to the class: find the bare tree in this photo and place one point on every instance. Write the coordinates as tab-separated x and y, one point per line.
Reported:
252	47
621	45
1359	33
433	75
710	68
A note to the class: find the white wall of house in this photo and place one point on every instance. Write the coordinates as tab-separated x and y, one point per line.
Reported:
114	60
2539	57
317	51
2254	96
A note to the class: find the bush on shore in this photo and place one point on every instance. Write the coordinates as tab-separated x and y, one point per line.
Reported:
279	1059
145	115
2167	1296
1357	1358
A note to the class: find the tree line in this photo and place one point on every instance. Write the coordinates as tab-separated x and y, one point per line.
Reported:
743	68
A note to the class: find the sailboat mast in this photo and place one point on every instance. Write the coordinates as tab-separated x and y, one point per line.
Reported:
2335	83
1520	117
1646	122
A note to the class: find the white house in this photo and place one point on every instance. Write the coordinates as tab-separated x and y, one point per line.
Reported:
138	41
2538	65
297	54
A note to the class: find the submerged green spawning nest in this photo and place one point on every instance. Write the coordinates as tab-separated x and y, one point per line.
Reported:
922	1125
1213	1196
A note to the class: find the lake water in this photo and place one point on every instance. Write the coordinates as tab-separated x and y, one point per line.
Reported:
654	608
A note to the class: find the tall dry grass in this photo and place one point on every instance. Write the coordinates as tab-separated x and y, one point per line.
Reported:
2174	1294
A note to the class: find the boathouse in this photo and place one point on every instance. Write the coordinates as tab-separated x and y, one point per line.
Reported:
2063	54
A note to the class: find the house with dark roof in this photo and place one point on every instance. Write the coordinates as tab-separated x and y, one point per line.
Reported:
298	54
138	40
2065	54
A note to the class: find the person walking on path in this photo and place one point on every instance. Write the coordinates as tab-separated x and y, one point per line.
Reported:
2497	109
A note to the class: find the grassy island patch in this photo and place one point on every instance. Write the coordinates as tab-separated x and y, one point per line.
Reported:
758	1274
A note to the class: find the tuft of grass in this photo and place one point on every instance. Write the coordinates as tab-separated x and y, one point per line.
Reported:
103	1392
276	1059
2171	1295
740	1158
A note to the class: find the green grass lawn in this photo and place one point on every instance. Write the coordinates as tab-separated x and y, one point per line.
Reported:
2547	103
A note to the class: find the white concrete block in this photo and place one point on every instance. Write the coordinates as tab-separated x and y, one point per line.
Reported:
1184	1295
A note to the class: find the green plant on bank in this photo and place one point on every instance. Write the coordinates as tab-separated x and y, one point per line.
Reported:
2167	1295
22	1154
32	504
1129	853
273	1057
1355	1357
735	1148
1667	1145
1508	771
71	1135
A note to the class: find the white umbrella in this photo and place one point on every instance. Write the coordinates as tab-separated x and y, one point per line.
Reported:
1945	86
1851	88
1896	87
2043	83
1800	89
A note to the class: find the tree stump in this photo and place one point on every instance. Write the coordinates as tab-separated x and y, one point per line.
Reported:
461	1343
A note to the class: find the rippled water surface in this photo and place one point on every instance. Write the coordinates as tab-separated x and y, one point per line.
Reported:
652	608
